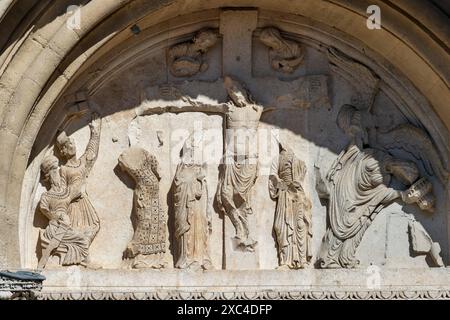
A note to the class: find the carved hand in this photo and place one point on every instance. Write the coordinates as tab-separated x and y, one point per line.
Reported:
96	121
281	185
405	195
64	219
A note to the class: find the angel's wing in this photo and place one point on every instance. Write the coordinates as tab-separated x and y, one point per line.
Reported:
416	143
358	75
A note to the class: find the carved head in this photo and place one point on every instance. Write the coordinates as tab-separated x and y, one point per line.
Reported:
66	146
349	120
419	190
205	39
271	37
191	153
237	92
50	170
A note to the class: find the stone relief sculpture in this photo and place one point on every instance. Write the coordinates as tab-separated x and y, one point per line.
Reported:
358	75
59	238
148	246
75	173
421	242
358	189
240	159
188	58
192	214
284	55
293	223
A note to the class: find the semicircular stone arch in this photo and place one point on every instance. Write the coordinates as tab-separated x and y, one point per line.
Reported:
117	62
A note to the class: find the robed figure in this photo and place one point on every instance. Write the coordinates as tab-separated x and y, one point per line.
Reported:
59	238
192	216
293	223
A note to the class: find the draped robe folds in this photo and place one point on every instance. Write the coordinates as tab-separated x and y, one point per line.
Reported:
240	168
74	244
191	219
150	234
358	191
83	216
292	224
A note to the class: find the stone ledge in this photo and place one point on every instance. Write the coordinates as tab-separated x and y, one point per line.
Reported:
253	295
76	283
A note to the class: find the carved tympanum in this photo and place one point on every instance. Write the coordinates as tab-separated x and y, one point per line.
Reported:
293	223
188	58
192	217
285	55
358	189
148	246
59	238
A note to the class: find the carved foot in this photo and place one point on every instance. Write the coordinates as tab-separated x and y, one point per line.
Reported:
247	245
283	267
207	265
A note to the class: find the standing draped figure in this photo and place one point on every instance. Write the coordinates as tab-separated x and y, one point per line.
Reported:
240	169
148	246
75	172
192	216
292	225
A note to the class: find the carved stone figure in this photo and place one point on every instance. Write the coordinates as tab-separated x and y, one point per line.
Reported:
241	161
75	173
187	59
240	167
148	245
285	55
421	242
59	238
358	184
293	223
192	216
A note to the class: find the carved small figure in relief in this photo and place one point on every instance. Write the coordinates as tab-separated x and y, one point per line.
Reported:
293	223
187	59
240	170
59	238
421	242
285	55
192	214
148	246
358	189
75	172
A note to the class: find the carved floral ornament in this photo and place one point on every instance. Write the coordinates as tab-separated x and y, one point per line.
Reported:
174	208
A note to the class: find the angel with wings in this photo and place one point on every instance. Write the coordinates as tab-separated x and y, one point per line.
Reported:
358	185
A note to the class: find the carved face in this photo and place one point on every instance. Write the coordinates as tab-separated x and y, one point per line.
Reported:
68	148
50	171
205	40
